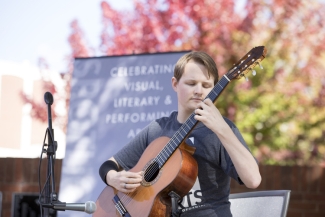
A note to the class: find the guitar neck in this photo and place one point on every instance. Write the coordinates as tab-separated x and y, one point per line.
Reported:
188	125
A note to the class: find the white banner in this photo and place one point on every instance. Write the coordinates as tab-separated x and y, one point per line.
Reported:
112	99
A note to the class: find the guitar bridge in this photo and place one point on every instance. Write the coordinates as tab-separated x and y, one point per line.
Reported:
120	207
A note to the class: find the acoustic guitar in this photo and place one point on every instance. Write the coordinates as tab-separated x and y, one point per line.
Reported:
167	163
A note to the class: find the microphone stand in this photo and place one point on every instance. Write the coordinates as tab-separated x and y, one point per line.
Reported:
50	194
50	203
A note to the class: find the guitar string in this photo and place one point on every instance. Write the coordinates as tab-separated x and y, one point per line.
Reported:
151	170
169	147
168	150
127	197
186	124
161	157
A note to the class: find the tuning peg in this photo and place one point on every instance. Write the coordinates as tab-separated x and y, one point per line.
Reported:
245	77
253	72
261	67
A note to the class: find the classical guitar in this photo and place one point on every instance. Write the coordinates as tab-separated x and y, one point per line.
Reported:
167	163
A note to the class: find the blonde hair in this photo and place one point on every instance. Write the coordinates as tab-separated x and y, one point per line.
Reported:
198	57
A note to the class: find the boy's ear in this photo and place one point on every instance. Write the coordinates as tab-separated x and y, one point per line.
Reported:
174	83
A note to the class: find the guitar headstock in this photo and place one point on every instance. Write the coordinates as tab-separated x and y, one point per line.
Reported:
247	63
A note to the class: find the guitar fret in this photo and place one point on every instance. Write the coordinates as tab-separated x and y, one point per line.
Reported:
163	154
176	137
159	158
190	120
216	94
174	143
182	134
186	125
226	77
217	89
170	150
182	128
163	159
167	150
179	137
224	81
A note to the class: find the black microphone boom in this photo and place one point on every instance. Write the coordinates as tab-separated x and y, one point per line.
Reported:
50	194
51	199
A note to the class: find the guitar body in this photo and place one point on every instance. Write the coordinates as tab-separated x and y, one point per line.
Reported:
151	198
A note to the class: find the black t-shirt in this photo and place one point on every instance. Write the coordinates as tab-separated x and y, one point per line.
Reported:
209	195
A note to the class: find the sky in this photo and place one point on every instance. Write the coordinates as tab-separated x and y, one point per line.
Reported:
30	29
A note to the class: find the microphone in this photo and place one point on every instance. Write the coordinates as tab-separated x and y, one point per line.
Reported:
48	98
88	207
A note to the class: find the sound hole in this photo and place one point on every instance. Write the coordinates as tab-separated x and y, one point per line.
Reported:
151	172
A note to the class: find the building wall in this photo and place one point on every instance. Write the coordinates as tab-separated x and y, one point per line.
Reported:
20	175
307	184
11	116
21	136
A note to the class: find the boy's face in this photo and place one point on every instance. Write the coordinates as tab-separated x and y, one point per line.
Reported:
192	87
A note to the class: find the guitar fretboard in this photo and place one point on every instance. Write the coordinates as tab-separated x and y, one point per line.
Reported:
188	125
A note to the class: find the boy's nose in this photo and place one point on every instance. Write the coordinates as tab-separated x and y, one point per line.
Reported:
198	89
